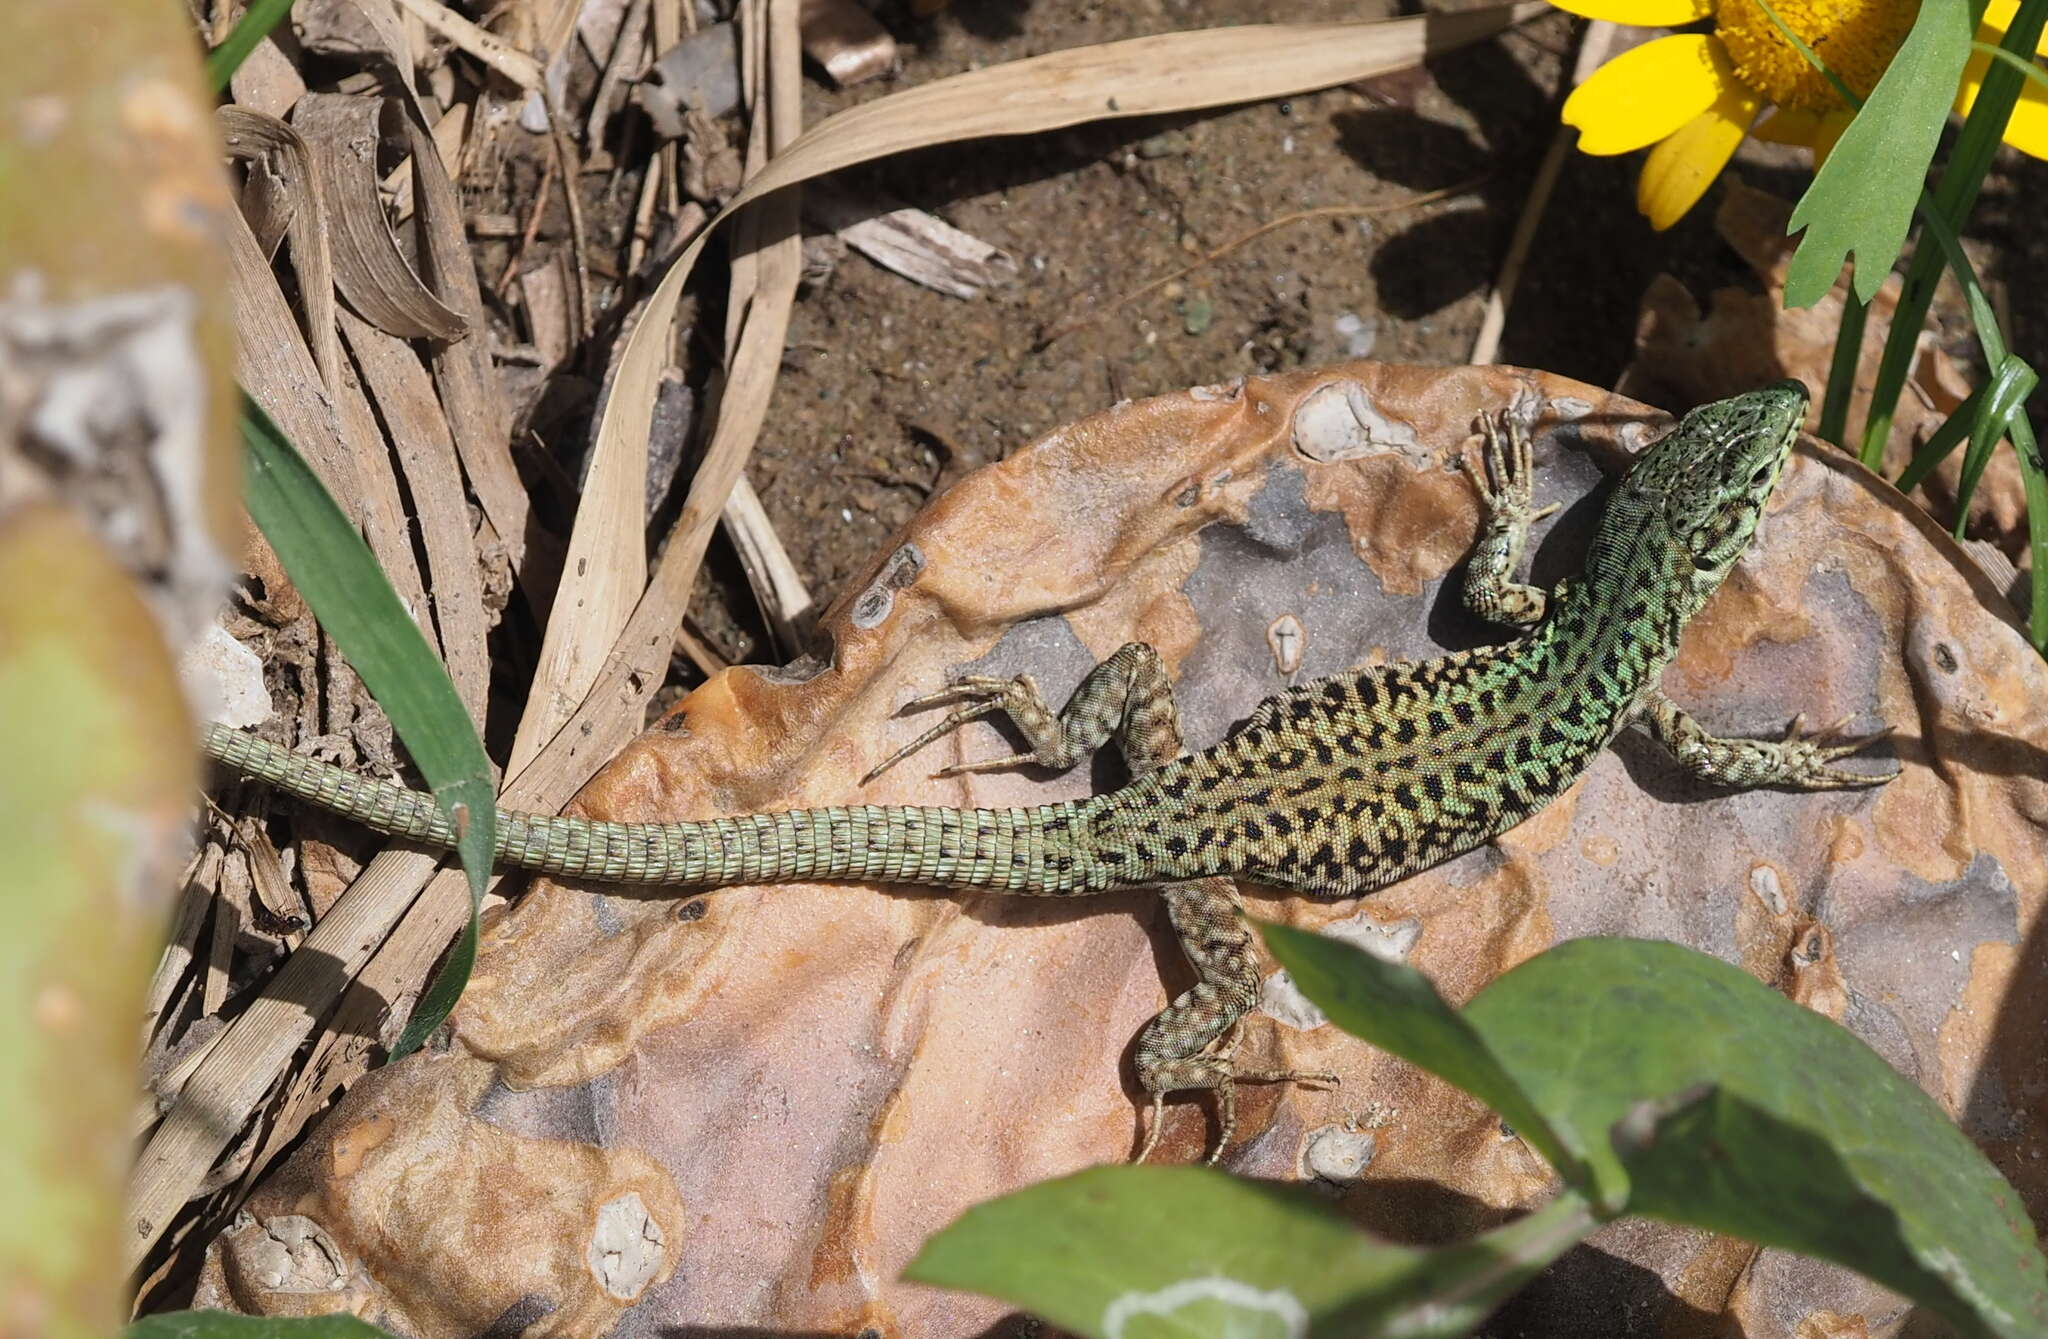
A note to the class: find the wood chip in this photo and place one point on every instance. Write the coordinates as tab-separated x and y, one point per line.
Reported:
921	247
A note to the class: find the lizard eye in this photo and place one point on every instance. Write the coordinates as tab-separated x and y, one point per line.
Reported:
1702	562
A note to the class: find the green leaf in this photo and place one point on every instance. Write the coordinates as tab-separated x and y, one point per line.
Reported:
1685	1170
1395	1007
1149	1252
335	572
1861	202
1594	1027
227	1325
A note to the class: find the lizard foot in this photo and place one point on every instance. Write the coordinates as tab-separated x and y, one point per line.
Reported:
1804	761
1216	1073
1506	481
1017	698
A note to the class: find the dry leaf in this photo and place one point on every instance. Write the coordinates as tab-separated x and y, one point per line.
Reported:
343	132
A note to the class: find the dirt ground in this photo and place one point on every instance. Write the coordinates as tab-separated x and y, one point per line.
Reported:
884	379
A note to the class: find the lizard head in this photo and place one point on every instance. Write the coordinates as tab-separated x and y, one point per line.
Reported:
1709	479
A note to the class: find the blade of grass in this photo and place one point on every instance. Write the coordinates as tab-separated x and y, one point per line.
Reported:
335	572
1834	405
2010	387
2018	427
1961	178
1940	213
2034	478
2025	67
1945	439
254	25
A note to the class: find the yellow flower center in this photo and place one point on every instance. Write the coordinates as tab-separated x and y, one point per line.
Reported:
1854	38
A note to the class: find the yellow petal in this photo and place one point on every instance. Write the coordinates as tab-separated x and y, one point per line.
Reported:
1831	127
1973	74
1998	16
1787	125
2023	128
1643	95
2027	131
1641	13
1678	171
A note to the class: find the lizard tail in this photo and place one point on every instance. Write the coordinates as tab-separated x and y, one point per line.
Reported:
1015	850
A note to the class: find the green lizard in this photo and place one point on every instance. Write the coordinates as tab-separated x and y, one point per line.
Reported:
1330	788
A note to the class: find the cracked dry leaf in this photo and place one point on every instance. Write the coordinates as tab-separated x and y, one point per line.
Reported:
819	1076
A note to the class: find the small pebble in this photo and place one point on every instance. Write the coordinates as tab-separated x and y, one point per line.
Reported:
1358	334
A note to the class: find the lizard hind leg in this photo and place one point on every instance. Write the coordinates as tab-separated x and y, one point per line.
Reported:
1191	1043
1127	697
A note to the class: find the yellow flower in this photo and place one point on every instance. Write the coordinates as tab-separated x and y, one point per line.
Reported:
1691	97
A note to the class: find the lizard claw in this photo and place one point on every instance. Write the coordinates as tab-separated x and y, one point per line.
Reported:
985	694
1504	480
1807	761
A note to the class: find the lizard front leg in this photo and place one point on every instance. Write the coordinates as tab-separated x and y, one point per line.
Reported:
1797	762
1505	484
1129	697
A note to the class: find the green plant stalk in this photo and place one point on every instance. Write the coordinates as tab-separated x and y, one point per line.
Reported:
1954	196
1834	408
2007	398
2034	478
2018	427
1935	449
249	30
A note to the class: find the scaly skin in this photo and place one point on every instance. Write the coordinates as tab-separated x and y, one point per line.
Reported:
1331	788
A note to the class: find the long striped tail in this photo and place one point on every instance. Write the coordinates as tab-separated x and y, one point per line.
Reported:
1013	850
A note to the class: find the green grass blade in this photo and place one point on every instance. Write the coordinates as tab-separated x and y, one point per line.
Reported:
2009	390
1990	336
254	25
335	572
2025	67
1945	439
1861	202
1954	195
2017	427
1834	405
2034	478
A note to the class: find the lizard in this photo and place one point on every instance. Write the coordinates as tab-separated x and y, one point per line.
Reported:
1330	788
